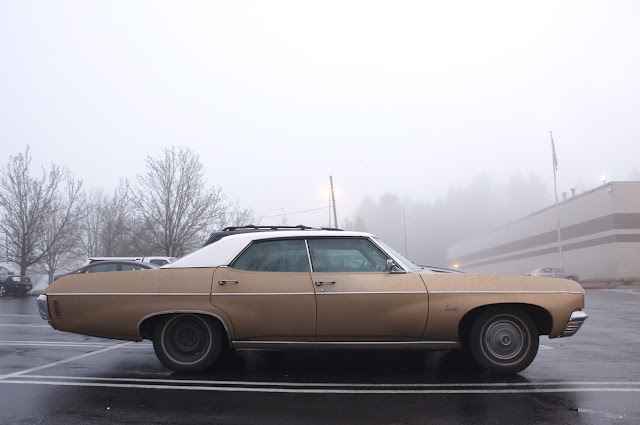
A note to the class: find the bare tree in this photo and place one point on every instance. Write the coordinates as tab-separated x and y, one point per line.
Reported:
109	223
234	215
25	202
463	213
356	224
172	199
92	243
283	222
63	229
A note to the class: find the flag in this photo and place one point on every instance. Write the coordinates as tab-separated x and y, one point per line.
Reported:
553	150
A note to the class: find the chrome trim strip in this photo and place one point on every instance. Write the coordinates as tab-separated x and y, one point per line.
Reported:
215	294
131	293
506	292
304	293
333	345
306	244
161	313
375	293
319	293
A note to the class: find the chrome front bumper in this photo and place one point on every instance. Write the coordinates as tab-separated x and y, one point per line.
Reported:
575	322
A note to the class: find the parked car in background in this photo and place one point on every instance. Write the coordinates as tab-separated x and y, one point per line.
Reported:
11	283
314	288
110	266
553	272
157	260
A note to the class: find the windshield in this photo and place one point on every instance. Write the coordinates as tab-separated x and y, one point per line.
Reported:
399	259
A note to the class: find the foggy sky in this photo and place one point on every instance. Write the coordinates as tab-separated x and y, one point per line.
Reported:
410	98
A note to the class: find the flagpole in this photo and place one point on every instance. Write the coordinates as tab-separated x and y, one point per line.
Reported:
333	198
555	189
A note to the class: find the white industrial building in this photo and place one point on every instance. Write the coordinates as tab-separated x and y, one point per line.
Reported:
600	233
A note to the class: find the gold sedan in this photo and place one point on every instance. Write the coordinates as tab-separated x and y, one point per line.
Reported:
312	289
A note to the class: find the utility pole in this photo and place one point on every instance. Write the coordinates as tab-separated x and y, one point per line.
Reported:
333	199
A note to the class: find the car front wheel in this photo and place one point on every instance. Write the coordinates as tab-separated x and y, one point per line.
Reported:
3	290
187	342
503	340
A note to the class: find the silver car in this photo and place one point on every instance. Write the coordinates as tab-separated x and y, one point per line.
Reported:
553	272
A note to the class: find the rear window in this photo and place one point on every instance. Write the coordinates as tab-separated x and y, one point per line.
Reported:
274	256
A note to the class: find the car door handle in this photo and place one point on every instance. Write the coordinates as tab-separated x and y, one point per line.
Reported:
325	282
222	282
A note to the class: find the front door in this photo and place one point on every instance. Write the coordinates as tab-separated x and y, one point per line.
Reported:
359	300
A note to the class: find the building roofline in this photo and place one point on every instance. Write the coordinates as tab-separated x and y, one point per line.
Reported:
564	201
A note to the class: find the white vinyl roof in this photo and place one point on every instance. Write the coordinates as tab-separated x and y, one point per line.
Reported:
223	251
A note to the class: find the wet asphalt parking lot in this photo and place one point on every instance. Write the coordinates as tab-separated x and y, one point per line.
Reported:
51	377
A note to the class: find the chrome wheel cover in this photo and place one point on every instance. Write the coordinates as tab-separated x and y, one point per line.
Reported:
504	339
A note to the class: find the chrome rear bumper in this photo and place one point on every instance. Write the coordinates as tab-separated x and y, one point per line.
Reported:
43	307
575	322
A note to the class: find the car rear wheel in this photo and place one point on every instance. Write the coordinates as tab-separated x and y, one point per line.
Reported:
187	342
503	340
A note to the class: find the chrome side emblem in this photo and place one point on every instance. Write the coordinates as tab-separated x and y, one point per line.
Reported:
448	308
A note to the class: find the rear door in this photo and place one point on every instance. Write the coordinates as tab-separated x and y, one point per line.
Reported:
267	292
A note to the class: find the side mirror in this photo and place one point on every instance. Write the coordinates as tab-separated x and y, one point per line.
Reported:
392	267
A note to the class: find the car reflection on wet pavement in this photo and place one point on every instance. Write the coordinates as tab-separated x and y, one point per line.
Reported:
52	377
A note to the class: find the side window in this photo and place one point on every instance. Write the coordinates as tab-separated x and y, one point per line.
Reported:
103	268
129	267
346	255
274	256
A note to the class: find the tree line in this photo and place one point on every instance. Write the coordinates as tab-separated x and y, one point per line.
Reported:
49	222
424	230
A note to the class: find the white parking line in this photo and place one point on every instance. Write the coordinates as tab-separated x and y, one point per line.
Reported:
22	325
60	344
59	362
470	388
334	384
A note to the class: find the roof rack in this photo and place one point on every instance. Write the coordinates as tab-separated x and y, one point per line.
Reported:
232	230
252	227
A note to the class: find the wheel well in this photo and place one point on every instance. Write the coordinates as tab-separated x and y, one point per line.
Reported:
145	328
541	317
